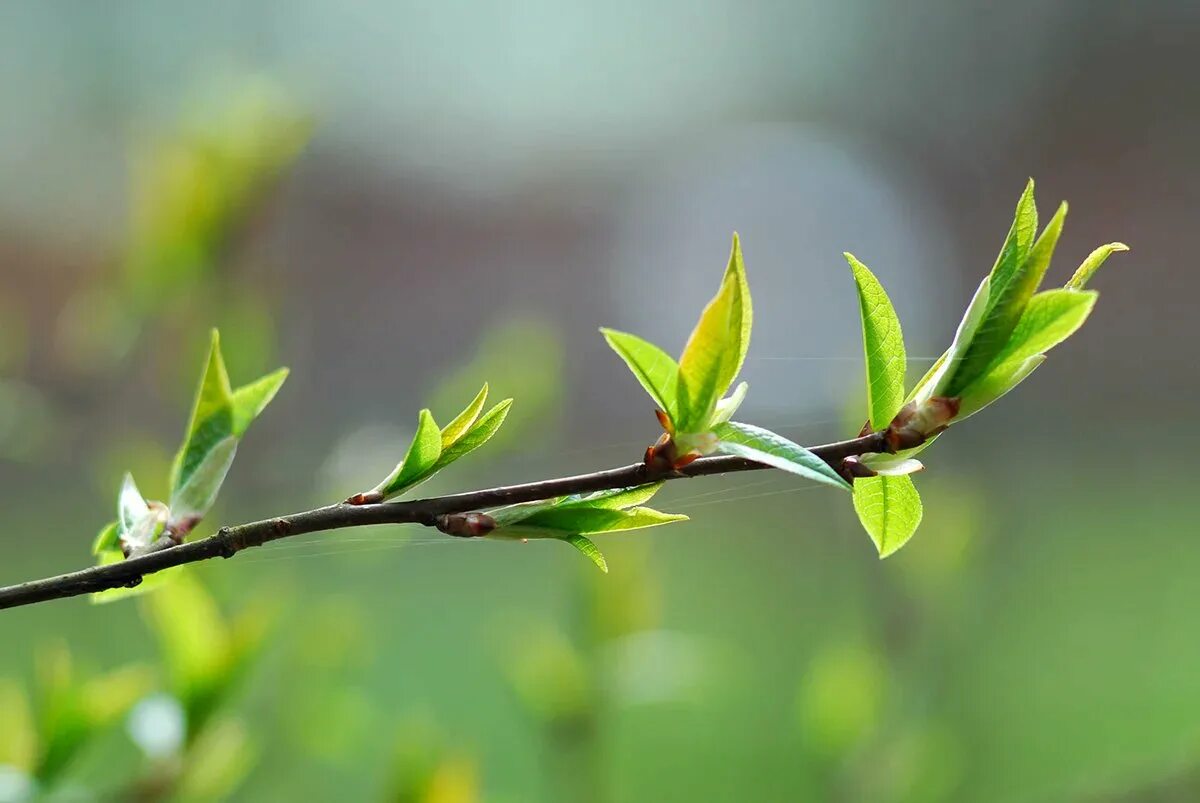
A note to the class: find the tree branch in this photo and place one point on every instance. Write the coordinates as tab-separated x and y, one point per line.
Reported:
228	541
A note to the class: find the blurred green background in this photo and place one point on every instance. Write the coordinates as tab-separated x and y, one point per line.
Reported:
401	200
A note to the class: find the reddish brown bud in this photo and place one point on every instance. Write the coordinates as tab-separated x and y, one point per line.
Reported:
684	460
852	468
665	421
914	424
661	457
368	498
466	525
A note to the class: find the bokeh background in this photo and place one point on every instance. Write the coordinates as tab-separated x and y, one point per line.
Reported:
401	200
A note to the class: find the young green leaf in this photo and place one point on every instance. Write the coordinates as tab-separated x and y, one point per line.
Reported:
418	463
889	509
107	540
220	417
589	520
196	496
717	347
1006	304
727	407
131	507
998	381
585	545
618	499
463	422
1092	264
656	370
1019	240
570	518
883	345
764	446
250	400
479	434
1051	317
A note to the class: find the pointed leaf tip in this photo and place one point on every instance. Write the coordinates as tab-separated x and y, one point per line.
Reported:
588	548
717	347
1092	264
465	420
883	346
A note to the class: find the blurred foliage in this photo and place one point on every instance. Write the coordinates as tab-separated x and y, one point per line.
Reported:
194	190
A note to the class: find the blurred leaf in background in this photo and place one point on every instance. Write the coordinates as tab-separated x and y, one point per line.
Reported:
194	189
425	770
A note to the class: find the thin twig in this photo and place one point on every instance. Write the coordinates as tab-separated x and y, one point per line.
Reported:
228	541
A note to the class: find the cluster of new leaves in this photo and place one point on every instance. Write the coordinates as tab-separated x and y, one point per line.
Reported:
433	447
1004	335
220	417
573	518
690	394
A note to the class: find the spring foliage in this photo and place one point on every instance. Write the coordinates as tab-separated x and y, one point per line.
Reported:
1004	335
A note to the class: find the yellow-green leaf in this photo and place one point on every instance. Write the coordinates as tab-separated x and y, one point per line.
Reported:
250	400
479	434
997	382
656	370
1092	264
1049	319
1006	304
883	345
717	347
890	510
422	455
585	545
463	422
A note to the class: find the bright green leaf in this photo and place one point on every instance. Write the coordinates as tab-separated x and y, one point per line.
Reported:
195	497
997	382
211	419
422	455
590	521
764	446
219	418
656	370
1006	304
727	407
883	345
889	509
1092	264
463	422
250	400
1051	317
618	499
107	540
717	347
584	545
1019	240
479	434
